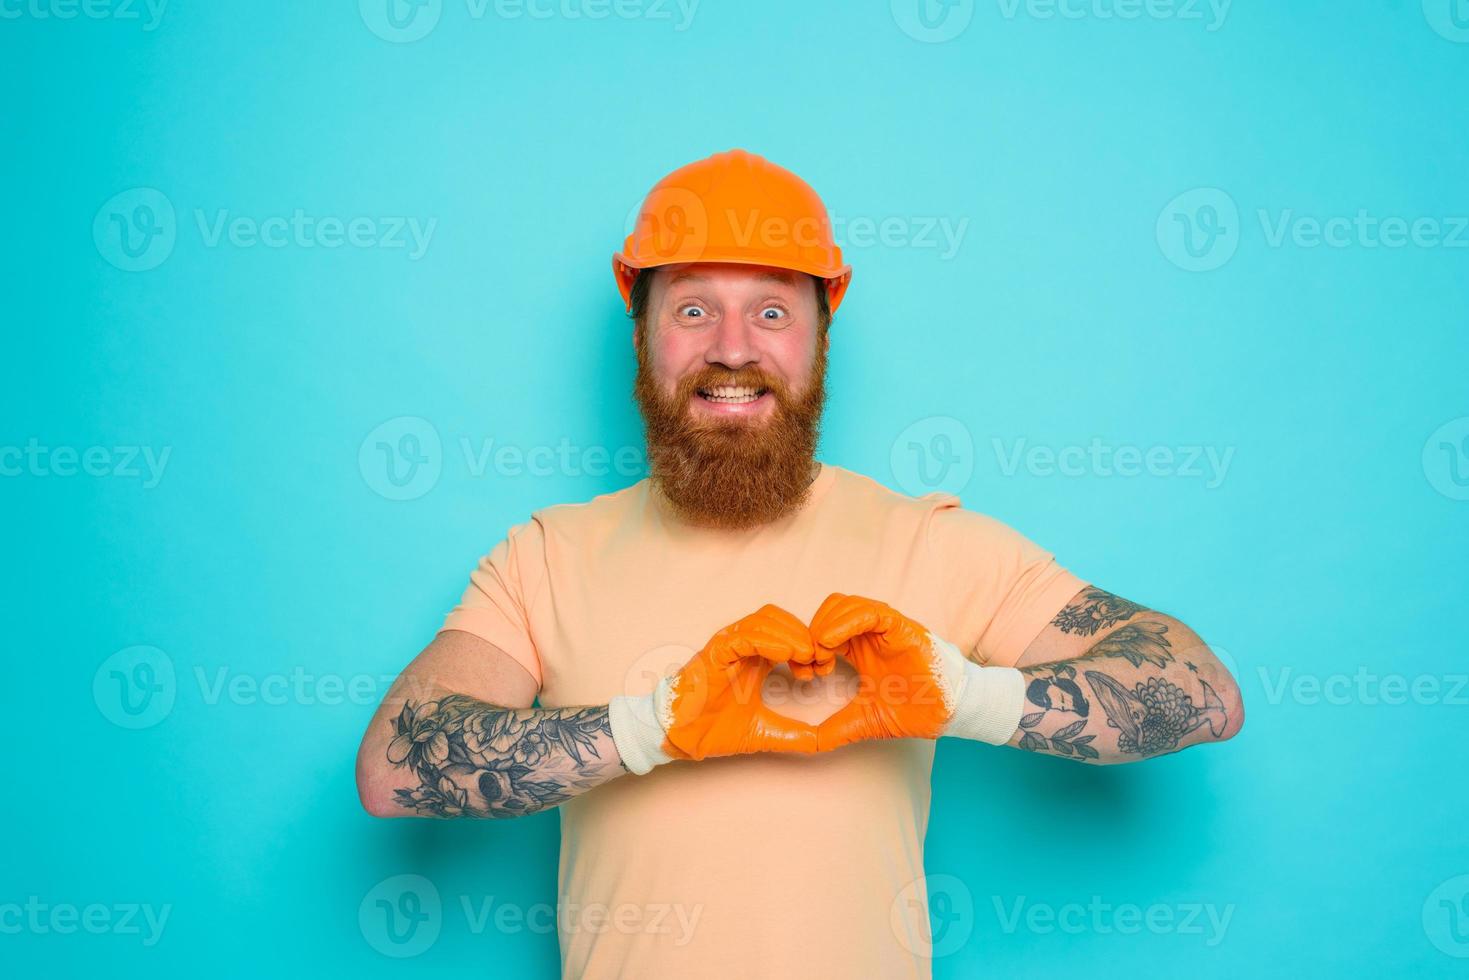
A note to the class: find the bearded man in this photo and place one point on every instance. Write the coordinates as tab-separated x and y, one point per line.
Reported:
730	676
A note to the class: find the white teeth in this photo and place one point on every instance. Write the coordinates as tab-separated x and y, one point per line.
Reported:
731	394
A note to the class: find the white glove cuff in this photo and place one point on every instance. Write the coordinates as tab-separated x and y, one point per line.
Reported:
988	701
636	731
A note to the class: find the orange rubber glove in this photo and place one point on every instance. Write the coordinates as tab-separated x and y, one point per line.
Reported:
911	683
712	706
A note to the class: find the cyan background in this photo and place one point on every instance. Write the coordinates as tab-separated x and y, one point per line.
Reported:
1332	834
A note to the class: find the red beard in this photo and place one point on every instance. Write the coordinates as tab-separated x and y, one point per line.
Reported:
731	474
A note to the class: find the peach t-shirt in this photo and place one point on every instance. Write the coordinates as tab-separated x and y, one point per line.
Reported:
769	866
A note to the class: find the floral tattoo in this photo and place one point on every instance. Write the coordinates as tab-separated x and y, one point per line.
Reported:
474	759
1095	609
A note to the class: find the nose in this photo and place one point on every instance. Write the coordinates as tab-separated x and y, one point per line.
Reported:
732	344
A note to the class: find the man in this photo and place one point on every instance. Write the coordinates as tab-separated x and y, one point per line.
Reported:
743	662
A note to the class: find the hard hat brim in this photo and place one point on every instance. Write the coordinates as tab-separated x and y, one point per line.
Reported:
837	278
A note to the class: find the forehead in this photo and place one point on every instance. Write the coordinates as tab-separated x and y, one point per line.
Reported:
724	274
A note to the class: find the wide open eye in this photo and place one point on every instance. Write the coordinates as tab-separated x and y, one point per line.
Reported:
692	311
774	314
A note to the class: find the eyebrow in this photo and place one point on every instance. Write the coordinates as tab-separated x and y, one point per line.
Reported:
763	277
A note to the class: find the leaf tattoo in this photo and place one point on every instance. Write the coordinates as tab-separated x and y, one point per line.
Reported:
1093	610
1137	643
1063	742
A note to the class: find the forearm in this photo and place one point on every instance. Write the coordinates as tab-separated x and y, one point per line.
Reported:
456	756
1148	688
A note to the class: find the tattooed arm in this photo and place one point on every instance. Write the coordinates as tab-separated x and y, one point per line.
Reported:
1110	681
456	736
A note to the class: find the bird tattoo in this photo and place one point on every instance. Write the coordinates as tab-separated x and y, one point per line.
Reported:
1156	713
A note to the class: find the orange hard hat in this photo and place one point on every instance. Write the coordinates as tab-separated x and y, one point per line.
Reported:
733	207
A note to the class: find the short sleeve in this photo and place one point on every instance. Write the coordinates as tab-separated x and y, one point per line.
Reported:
998	588
496	605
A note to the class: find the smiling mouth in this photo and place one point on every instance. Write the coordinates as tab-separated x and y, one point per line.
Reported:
731	394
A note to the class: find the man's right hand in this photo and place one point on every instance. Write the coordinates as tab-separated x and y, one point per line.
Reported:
712	706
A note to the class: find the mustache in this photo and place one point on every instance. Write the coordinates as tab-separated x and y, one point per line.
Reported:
746	377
